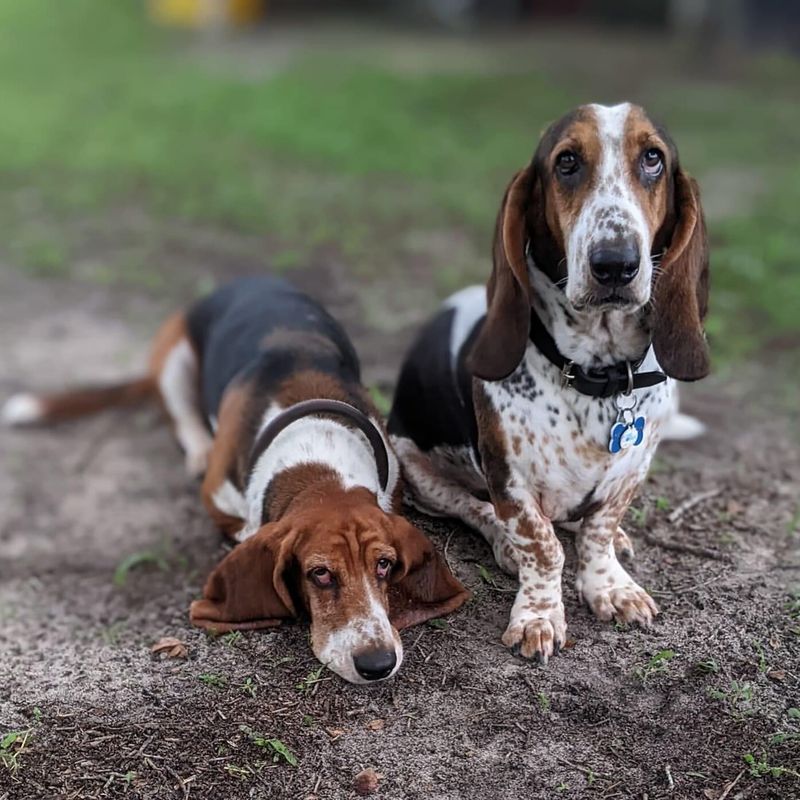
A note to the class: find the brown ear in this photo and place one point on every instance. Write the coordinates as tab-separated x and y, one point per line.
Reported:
500	345
247	590
422	585
681	290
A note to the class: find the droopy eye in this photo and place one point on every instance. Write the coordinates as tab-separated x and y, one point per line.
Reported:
384	567
652	162
322	577
567	163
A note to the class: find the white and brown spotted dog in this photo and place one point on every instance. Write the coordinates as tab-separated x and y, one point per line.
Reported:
510	410
262	386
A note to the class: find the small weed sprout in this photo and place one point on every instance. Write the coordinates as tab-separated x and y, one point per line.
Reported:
658	663
213	680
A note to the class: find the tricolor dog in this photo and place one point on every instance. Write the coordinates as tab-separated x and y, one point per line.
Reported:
263	388
540	401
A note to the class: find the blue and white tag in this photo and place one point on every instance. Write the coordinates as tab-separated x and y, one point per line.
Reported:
628	430
626	434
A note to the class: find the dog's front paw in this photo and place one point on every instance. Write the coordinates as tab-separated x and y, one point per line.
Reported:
625	603
537	637
196	462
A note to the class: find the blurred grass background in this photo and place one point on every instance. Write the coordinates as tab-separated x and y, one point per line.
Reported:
387	151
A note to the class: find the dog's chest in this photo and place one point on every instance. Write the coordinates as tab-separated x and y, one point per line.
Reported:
557	440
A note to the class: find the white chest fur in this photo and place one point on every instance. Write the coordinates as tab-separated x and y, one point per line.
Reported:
556	439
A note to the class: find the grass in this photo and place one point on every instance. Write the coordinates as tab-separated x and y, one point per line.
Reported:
346	152
658	663
136	560
274	747
12	747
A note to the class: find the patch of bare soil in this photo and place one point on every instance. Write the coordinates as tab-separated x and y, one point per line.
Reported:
103	544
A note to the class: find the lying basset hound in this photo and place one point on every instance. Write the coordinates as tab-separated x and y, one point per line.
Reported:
263	388
540	401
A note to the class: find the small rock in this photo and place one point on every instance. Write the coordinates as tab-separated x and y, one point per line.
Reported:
366	782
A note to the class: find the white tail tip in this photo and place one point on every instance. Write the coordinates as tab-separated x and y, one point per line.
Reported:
22	409
681	427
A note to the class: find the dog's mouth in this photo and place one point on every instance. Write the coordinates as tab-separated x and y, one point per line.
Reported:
613	300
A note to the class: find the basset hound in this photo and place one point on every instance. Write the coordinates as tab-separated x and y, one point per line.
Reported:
539	401
263	388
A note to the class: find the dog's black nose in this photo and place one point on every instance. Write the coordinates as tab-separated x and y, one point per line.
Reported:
614	266
375	664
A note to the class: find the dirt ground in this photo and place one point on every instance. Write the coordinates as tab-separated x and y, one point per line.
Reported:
671	712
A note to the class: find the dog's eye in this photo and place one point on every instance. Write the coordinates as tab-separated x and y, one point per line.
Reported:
567	163
384	567
322	577
652	162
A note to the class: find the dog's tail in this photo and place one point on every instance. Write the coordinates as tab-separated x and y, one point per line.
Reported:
38	409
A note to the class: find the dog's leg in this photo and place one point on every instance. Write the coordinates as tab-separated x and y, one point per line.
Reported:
537	627
223	501
601	580
437	494
623	546
179	385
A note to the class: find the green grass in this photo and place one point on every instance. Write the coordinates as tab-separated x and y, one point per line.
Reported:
101	111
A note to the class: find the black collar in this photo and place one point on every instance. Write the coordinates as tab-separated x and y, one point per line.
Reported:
310	407
620	378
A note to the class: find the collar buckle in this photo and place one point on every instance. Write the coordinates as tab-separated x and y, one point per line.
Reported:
567	375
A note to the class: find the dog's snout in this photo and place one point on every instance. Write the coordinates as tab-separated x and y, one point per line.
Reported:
614	266
373	665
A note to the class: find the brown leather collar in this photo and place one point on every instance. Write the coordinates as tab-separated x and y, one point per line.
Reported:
310	407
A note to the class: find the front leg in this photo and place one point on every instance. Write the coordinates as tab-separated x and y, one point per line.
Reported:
537	628
601	580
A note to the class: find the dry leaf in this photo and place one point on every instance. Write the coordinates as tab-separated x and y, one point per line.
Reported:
376	725
712	794
367	781
334	733
569	644
170	647
777	674
775	641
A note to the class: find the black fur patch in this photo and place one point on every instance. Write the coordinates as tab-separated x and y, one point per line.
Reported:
231	330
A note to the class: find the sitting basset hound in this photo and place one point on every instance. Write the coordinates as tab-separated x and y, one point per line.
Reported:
540	401
263	388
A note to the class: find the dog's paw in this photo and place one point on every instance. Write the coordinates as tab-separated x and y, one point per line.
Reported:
537	637
627	603
196	462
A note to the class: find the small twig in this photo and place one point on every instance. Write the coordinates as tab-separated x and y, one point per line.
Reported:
446	545
730	786
584	770
676	547
691	503
668	773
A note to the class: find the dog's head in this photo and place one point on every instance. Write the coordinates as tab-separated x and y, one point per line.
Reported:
360	574
609	215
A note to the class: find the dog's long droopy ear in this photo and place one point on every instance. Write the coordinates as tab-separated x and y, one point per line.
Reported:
247	590
500	345
422	585
681	290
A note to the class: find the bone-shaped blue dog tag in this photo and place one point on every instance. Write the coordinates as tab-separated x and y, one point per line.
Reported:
627	432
